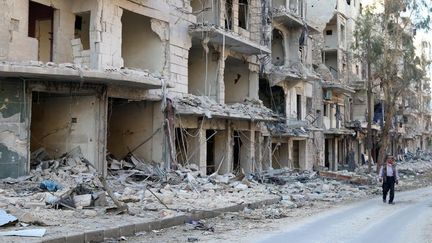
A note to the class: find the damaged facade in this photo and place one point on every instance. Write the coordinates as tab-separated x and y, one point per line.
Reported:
71	69
230	85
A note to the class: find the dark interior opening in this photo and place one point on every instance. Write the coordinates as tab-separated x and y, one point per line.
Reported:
326	154
211	168
229	14
236	152
272	97
244	14
299	108
40	26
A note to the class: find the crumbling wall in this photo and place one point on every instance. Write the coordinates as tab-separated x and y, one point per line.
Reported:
15	45
141	47
320	12
359	106
61	122
202	71
130	124
204	11
236	79
14	134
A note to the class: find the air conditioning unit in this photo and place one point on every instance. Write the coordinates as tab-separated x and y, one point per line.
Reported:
328	94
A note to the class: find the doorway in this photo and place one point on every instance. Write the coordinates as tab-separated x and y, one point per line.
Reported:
40	27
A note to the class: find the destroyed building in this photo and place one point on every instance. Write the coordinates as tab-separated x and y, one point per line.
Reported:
290	87
333	60
77	73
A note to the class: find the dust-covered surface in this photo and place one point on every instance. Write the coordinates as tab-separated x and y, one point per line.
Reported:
82	203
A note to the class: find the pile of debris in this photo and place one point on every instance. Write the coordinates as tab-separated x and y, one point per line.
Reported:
68	182
203	105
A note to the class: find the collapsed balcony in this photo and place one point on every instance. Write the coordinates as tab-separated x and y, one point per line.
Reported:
203	106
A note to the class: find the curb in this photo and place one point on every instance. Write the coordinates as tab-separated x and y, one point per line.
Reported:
98	235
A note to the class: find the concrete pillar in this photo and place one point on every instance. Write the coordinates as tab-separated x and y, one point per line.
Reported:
336	154
290	153
224	151
197	149
158	144
220	91
235	16
253	84
266	161
303	155
258	151
247	151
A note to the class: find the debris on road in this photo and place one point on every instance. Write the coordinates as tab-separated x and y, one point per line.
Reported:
25	233
7	219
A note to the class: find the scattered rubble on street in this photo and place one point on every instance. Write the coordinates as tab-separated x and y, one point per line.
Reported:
69	187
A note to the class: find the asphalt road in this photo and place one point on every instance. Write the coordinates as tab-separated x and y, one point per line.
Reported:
408	221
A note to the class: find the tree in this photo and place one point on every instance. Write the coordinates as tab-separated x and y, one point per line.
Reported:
367	48
385	41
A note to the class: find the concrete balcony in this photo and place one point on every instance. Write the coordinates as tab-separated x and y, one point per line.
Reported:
219	36
291	19
294	73
338	87
35	70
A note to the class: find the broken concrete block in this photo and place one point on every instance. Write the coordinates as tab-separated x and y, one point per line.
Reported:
99	199
6	219
82	200
75	42
90	213
241	187
33	218
34	205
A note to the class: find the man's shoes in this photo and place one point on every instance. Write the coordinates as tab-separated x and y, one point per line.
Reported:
392	203
384	201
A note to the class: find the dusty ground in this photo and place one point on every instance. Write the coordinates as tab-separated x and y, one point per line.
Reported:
233	227
302	194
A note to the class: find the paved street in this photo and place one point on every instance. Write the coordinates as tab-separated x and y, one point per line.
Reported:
409	220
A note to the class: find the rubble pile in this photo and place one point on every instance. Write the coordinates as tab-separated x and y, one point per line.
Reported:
70	181
298	189
145	190
203	105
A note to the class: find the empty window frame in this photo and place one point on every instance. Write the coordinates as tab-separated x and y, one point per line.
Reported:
244	14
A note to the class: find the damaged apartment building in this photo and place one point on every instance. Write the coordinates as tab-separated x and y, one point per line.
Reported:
79	74
220	123
334	63
173	82
227	85
292	89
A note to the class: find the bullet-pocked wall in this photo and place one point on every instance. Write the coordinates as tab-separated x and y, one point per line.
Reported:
14	121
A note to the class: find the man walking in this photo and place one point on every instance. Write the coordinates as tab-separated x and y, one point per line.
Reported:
388	175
